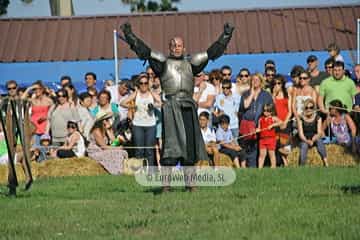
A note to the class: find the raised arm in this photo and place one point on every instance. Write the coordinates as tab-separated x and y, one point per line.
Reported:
144	52
199	61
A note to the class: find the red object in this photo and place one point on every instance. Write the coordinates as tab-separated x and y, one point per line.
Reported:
268	143
247	127
264	123
37	114
282	108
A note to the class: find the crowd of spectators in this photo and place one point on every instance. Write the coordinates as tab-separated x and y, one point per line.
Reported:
254	118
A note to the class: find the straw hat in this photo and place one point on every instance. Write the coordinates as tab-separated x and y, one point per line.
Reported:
102	116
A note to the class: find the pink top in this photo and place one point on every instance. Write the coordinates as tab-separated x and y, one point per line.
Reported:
38	112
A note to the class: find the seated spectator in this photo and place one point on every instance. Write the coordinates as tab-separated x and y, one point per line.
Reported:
267	135
334	52
310	132
209	138
72	93
242	82
86	119
94	102
228	103
228	144
301	94
43	151
105	105
226	72
341	125
74	145
295	82
100	149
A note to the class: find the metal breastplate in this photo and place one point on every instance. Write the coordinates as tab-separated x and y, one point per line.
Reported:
177	77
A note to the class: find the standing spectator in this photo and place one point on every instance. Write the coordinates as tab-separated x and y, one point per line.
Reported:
72	93
215	78
226	72
209	137
295	82
341	125
59	115
144	121
316	75
329	66
310	132
40	106
93	94
282	103
251	106
334	52
105	104
242	82
337	87
267	135
123	93
357	76
269	78
269	63
156	89
90	80
64	80
151	75
356	106
204	93
228	103
12	88
100	149
74	145
228	145
301	94
86	119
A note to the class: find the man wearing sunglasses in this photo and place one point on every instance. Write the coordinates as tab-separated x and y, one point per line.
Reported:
316	76
182	139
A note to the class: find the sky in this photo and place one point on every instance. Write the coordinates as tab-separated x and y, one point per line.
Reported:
41	8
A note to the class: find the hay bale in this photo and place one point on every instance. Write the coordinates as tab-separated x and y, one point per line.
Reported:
225	161
337	156
57	168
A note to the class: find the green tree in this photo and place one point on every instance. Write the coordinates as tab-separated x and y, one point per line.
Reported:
151	6
3	6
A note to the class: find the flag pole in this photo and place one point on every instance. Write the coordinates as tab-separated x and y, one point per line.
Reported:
116	62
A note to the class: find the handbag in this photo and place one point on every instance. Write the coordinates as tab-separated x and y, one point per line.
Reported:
246	128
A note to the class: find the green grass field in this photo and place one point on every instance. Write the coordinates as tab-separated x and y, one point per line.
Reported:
292	203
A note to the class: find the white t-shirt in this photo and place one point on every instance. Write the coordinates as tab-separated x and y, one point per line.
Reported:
143	117
123	112
209	90
208	135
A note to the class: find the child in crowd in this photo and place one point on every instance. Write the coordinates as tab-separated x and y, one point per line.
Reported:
209	137
75	143
267	135
42	152
310	132
334	52
228	144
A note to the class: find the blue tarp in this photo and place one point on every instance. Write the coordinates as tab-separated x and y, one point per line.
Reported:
50	72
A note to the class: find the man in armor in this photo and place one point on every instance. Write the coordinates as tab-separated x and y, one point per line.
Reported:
182	140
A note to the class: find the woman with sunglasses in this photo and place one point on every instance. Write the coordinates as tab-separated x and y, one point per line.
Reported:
215	78
74	145
302	93
242	82
144	121
310	132
100	149
282	102
40	105
59	115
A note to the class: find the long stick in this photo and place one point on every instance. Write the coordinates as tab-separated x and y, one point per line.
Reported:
116	64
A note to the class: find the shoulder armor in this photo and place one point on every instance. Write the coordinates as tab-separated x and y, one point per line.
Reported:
199	58
158	56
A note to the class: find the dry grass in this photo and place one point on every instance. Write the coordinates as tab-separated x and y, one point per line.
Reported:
337	156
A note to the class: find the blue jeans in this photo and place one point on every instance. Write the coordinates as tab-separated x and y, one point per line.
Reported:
144	136
304	147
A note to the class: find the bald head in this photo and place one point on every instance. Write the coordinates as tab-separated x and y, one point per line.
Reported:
176	47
